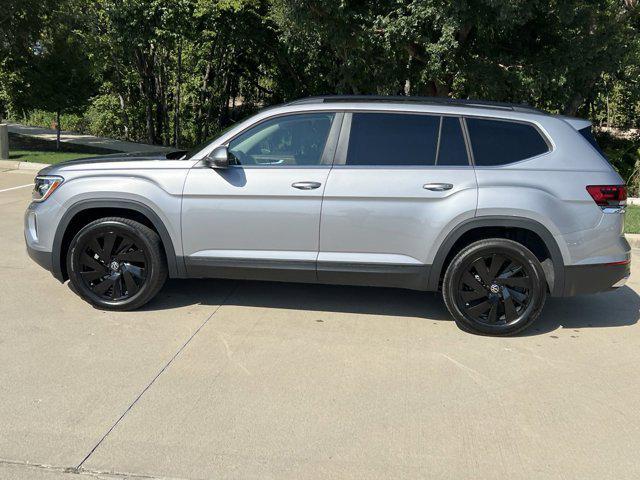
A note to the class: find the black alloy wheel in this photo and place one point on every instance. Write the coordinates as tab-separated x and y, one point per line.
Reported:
113	265
495	287
116	263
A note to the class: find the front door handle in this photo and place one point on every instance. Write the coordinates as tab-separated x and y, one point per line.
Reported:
437	187
306	185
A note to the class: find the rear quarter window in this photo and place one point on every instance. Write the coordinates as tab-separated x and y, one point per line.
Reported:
500	142
588	135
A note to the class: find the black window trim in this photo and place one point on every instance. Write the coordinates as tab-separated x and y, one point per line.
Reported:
340	158
541	132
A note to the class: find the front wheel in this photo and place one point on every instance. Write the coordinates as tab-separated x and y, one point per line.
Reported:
116	263
494	287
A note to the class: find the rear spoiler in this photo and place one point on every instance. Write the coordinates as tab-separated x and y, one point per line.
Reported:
584	128
577	123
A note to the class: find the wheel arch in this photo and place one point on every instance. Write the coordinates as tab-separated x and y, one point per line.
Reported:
554	273
126	208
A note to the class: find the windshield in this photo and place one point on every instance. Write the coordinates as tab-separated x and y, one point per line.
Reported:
203	145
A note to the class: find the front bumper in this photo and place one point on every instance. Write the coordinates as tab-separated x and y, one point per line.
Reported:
44	259
601	277
34	229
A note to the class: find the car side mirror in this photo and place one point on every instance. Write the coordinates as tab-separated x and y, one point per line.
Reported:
219	158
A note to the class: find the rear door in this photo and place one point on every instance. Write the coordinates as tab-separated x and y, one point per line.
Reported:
398	181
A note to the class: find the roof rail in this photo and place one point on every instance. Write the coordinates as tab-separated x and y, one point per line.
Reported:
518	107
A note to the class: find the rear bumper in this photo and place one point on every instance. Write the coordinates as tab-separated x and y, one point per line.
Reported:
584	279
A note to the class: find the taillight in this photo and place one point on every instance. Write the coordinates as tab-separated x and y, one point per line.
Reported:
608	195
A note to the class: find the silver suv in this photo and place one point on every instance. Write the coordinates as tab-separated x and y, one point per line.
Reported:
496	205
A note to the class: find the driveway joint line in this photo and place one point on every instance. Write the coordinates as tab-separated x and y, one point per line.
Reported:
16	188
166	366
86	472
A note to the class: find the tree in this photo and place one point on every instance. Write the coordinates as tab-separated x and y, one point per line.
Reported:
21	22
178	72
60	78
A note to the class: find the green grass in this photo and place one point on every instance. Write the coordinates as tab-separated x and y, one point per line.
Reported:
632	219
31	149
37	156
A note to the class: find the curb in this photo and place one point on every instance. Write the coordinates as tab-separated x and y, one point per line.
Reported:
633	239
633	201
15	165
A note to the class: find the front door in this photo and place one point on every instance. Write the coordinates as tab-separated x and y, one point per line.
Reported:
260	217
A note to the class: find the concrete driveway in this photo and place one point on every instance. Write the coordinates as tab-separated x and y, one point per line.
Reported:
226	379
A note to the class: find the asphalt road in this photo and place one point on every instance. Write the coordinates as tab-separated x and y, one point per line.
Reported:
226	379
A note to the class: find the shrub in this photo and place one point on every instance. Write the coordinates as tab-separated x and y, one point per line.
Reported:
104	117
623	151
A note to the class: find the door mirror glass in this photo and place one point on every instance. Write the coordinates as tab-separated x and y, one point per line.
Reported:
219	158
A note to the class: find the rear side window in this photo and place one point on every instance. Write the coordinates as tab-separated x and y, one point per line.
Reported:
452	149
393	139
498	142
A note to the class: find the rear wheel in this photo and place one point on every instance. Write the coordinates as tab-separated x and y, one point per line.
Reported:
494	287
116	263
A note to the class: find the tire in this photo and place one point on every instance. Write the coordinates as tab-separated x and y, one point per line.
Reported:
116	263
494	287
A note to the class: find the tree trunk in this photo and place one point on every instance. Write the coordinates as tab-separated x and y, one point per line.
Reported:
125	117
200	117
58	131
571	109
144	64
176	100
149	112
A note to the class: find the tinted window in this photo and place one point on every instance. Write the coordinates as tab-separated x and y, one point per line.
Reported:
588	135
283	141
497	142
392	139
452	149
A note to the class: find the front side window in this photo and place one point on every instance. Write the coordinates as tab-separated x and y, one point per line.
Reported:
499	142
292	140
393	139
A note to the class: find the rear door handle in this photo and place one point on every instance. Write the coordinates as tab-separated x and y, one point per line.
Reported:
306	185
437	187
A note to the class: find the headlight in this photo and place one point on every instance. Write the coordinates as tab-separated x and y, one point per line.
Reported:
44	186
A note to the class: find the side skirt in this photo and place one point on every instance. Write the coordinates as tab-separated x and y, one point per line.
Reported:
374	275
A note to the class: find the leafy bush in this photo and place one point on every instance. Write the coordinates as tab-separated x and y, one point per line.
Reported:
104	117
41	118
624	154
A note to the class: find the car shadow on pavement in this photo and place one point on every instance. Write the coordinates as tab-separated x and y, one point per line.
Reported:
611	309
301	296
617	308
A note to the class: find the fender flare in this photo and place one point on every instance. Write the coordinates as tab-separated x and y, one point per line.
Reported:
557	282
176	269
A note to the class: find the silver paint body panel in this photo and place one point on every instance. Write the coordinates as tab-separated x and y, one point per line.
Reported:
359	215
